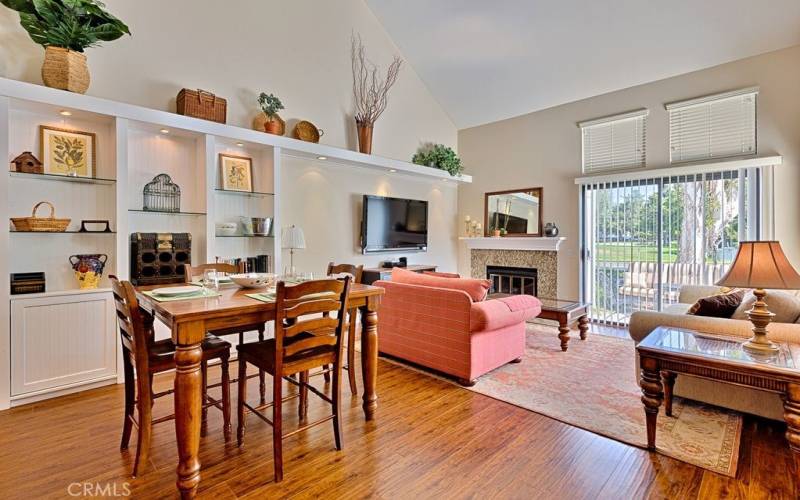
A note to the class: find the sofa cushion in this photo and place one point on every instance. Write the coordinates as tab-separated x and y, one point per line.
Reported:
676	308
785	306
476	289
441	275
498	313
720	305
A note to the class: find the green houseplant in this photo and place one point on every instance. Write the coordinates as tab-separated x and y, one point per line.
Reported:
270	105
439	156
65	28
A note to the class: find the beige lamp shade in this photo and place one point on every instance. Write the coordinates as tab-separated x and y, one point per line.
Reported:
761	264
293	238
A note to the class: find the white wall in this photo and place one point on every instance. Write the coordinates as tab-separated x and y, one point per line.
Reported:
327	205
544	148
298	50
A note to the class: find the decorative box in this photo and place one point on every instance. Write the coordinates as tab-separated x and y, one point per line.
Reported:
158	258
22	283
201	104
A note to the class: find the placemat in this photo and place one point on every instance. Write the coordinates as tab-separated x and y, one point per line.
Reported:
199	295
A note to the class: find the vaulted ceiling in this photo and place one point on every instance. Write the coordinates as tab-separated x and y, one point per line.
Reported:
487	60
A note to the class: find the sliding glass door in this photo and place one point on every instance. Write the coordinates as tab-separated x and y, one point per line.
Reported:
645	238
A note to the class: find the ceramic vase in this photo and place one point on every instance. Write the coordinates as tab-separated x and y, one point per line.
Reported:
88	269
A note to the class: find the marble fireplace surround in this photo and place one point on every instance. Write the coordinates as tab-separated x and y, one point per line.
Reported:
496	252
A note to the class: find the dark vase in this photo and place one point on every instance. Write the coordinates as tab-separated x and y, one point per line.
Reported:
550	230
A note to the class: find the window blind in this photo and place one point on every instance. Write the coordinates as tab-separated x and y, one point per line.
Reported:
717	126
614	143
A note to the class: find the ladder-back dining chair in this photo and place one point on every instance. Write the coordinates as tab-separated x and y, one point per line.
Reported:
304	340
142	358
356	272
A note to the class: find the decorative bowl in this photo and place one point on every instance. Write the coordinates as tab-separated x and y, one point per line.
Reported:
253	280
226	228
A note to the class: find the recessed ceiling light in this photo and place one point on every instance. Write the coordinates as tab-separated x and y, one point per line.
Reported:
240	144
164	131
322	157
392	170
64	112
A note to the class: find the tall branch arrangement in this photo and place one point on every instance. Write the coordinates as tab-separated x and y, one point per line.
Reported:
369	90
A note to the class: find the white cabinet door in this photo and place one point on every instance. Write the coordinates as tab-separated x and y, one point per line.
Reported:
61	340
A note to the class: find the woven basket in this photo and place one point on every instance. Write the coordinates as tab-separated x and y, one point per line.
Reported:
42	224
201	104
307	131
65	69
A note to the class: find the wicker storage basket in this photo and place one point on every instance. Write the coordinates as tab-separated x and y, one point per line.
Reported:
42	224
201	104
65	69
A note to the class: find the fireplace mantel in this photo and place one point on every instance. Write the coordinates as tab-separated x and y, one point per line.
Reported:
513	243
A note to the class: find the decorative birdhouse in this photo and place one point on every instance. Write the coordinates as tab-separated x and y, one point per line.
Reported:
28	164
162	195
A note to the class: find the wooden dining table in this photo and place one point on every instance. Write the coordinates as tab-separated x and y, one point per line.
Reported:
190	319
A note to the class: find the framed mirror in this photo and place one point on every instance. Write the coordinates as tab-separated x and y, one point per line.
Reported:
518	211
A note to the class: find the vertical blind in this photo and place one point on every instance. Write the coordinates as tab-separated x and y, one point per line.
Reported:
614	143
717	126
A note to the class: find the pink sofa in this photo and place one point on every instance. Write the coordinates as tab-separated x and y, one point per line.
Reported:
444	329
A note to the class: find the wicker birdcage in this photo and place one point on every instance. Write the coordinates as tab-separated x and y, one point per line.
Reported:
162	195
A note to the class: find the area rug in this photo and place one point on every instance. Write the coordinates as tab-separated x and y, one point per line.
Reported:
593	386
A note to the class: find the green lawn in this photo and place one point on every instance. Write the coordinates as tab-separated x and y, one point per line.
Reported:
634	252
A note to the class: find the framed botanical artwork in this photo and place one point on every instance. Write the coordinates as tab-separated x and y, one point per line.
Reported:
67	152
237	172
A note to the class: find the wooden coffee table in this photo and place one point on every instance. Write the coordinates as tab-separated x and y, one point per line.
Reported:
566	312
668	352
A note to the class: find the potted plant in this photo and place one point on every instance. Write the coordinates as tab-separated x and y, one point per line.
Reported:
370	93
65	28
438	156
270	105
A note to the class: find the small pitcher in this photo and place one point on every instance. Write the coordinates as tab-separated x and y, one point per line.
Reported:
88	269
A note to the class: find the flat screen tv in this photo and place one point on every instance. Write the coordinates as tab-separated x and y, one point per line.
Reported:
391	224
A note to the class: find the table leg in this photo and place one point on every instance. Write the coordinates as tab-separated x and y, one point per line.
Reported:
583	326
652	396
369	358
563	332
791	414
668	379
188	407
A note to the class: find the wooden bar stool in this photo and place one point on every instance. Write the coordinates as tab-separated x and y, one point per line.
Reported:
356	272
303	341
190	272
143	357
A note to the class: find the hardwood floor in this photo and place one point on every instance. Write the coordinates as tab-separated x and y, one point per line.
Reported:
431	439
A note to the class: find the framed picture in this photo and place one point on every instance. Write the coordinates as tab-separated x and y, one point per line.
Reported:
237	172
67	152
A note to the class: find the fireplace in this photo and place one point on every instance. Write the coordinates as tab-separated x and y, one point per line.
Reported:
513	280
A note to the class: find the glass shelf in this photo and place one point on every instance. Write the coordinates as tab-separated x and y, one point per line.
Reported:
245	236
198	214
250	194
63	232
63	178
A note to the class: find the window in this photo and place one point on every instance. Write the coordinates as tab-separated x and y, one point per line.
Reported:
643	238
716	126
614	143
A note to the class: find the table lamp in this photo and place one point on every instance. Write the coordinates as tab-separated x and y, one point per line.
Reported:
293	239
759	265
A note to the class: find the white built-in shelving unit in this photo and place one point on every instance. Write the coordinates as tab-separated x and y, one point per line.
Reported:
64	339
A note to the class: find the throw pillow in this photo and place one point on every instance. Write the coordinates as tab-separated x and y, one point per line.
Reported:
785	305
721	305
475	288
